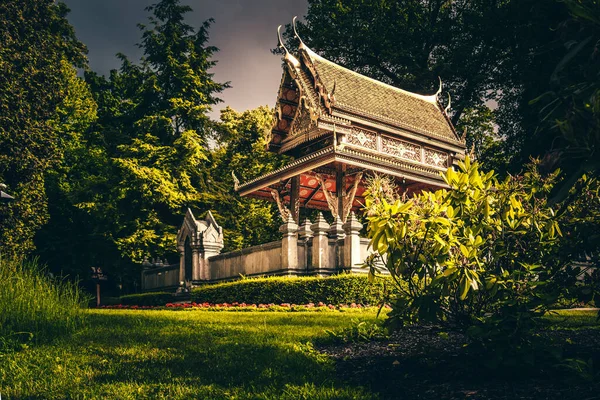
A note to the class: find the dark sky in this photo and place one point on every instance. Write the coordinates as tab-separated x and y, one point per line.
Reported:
244	31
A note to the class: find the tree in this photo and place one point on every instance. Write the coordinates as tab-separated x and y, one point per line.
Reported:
37	43
242	141
148	154
569	111
73	239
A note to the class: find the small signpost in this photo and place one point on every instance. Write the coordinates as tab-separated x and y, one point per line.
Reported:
98	275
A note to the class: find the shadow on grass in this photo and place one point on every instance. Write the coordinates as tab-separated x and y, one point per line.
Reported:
241	354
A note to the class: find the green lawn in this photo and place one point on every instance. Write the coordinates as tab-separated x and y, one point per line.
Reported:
199	354
169	354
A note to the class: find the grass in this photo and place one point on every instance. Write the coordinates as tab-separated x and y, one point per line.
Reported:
573	319
185	354
34	307
128	354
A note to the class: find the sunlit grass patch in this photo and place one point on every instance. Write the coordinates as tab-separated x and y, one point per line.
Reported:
573	319
166	354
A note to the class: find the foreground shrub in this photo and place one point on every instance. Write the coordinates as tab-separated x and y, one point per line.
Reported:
338	289
148	299
482	256
35	307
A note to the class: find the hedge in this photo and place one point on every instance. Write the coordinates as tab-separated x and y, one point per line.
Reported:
337	289
148	299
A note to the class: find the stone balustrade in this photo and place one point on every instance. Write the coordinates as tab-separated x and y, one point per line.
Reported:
317	248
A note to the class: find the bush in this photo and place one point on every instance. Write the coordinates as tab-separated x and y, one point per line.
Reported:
338	289
483	256
35	307
148	299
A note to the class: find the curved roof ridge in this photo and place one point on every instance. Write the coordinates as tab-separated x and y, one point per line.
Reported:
428	98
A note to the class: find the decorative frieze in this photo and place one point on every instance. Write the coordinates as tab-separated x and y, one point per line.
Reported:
436	158
363	138
400	148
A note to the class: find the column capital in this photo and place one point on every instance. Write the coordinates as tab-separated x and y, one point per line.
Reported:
304	232
320	227
352	225
290	227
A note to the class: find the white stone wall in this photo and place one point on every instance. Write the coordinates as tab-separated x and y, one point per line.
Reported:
165	277
259	260
338	247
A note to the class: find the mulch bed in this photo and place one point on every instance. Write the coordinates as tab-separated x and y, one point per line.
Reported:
426	362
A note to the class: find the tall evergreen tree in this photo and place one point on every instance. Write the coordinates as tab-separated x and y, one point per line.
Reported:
152	118
36	42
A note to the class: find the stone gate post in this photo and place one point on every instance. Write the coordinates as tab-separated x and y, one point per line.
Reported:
352	256
320	254
336	240
289	245
305	235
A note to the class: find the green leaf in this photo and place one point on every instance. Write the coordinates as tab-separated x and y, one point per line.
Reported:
464	287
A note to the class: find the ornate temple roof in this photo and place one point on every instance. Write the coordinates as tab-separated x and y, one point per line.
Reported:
339	126
359	94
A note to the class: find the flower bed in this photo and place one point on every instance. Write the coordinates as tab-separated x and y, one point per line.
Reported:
248	307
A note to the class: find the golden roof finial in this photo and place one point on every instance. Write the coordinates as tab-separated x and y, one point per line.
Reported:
449	104
439	91
236	181
301	45
280	44
288	57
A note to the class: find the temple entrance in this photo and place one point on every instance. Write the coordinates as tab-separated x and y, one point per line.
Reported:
187	259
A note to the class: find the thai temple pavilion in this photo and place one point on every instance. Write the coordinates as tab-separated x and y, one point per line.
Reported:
337	126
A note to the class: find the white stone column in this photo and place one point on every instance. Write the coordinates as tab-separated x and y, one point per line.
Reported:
196	262
289	245
352	227
181	250
336	240
320	253
305	235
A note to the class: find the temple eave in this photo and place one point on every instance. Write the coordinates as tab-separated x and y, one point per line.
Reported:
428	175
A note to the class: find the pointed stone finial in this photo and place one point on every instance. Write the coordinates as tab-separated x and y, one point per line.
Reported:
336	231
304	232
289	227
352	225
320	225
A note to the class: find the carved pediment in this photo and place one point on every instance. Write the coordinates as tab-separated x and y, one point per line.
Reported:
200	231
